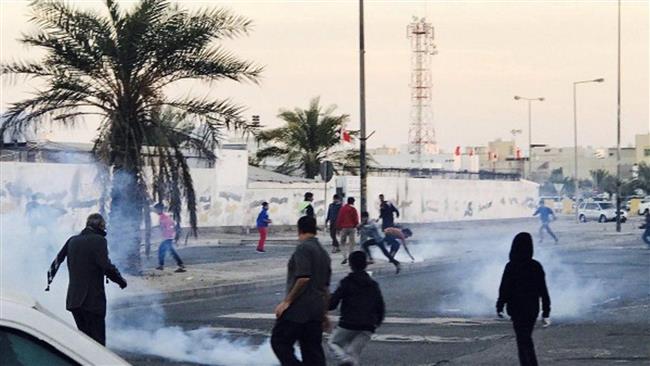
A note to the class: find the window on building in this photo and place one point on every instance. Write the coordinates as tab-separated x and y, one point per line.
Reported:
646	152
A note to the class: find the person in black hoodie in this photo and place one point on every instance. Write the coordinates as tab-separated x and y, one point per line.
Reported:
362	311
88	263
522	285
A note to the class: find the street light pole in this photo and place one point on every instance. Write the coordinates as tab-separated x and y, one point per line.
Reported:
530	130
362	114
575	135
618	127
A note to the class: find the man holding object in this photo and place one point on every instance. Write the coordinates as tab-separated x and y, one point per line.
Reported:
88	263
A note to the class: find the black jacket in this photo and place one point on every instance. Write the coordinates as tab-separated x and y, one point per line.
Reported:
88	262
362	305
523	283
386	210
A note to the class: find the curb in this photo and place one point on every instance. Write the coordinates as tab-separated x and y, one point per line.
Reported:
232	288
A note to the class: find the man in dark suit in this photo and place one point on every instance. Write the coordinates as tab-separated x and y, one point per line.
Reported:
88	263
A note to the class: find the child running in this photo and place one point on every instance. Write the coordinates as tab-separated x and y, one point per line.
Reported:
362	311
371	235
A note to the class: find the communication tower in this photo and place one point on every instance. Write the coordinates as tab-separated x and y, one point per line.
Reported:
422	137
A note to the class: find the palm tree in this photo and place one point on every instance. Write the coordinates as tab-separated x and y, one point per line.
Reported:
306	140
600	178
117	66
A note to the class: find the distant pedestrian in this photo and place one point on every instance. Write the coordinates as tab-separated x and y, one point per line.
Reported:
347	221
386	212
168	231
546	215
88	263
332	214
306	207
263	222
522	286
371	235
302	316
362	311
646	232
396	237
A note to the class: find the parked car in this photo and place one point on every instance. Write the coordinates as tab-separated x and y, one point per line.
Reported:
32	336
601	211
644	206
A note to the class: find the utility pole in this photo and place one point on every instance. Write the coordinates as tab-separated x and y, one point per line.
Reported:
618	127
363	170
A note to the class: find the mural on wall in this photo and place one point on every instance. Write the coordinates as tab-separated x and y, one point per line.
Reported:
72	193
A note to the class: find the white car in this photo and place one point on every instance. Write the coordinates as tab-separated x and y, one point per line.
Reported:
644	206
600	211
32	336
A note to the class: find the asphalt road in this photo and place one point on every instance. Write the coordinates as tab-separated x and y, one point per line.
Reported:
444	314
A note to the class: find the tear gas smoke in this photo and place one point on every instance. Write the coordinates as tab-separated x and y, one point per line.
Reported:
29	242
572	296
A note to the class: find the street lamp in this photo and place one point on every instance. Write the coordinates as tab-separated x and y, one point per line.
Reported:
530	128
575	127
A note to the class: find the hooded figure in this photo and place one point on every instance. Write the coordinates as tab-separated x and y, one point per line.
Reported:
522	286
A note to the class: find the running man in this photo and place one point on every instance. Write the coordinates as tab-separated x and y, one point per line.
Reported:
371	235
546	215
168	230
386	212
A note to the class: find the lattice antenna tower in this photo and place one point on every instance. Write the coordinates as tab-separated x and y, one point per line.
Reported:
422	137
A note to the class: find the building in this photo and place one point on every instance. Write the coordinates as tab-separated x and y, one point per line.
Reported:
546	159
642	144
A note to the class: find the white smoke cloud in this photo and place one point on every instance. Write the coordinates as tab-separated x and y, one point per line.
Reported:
572	296
26	253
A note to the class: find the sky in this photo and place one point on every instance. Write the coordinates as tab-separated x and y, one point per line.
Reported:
487	53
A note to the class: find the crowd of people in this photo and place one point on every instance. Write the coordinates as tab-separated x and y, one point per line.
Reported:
302	316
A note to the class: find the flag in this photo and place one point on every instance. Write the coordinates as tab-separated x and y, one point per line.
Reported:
457	151
345	135
518	154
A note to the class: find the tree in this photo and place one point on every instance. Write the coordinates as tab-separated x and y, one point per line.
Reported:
117	66
600	177
307	139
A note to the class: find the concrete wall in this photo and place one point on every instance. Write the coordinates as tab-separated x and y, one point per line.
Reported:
69	193
431	200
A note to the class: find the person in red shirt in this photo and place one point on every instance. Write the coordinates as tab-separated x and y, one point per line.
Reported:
168	231
347	221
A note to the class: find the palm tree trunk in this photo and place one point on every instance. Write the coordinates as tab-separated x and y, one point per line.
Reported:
124	221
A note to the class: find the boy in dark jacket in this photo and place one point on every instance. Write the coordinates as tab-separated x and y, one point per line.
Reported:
362	311
522	285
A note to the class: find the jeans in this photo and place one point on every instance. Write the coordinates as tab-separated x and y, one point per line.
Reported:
545	226
346	344
525	346
162	251
366	248
646	236
348	235
93	325
309	337
333	235
263	232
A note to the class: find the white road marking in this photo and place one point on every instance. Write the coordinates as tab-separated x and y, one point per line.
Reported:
393	338
388	320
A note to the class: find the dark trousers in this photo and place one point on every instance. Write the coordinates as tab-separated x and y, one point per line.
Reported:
546	227
525	346
309	337
168	245
386	223
333	235
646	235
366	248
91	324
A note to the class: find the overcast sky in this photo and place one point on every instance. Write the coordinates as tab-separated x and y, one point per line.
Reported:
488	52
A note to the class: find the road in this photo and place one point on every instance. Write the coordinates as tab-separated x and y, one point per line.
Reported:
443	314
